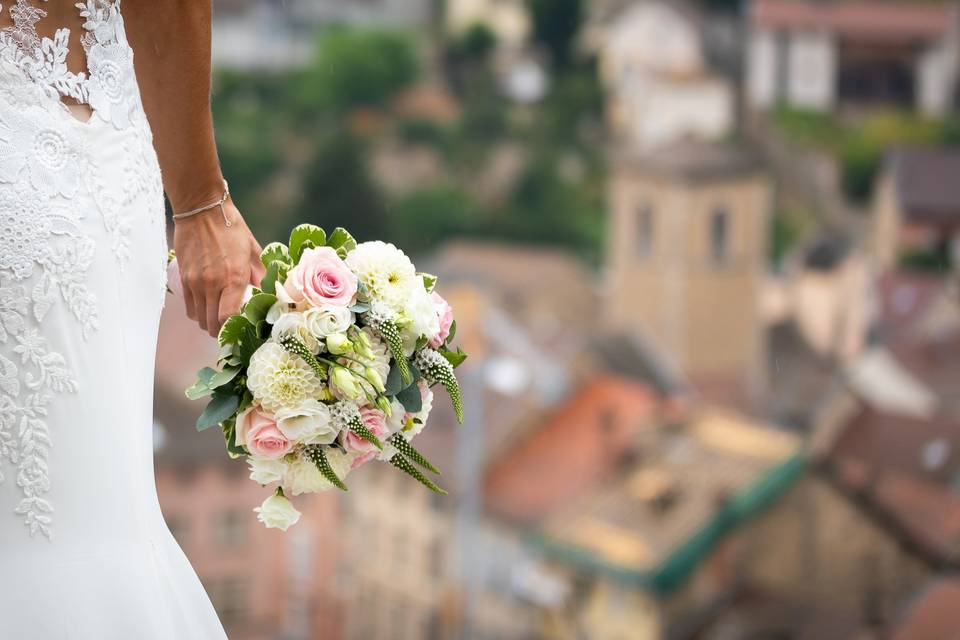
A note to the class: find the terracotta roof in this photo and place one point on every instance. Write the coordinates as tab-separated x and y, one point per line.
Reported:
906	471
926	182
859	18
693	484
934	614
575	447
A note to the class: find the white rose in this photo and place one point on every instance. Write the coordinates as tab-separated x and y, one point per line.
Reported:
309	423
277	512
264	471
293	325
305	477
422	312
327	320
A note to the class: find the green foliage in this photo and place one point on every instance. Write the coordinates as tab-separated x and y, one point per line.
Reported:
860	146
555	26
255	310
934	260
222	406
422	220
787	229
546	209
475	44
338	186
305	236
357	67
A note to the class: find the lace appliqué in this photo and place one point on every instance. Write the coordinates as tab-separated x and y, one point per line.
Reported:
44	258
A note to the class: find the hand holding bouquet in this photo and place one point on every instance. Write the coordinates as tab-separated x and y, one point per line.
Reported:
329	365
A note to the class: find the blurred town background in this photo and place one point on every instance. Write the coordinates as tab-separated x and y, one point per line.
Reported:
705	258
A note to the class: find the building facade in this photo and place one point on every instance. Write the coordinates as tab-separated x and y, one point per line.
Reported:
687	255
820	55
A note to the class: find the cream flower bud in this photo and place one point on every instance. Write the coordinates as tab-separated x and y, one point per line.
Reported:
277	512
373	377
338	344
343	381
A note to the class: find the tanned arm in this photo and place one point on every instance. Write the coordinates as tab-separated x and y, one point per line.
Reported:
171	43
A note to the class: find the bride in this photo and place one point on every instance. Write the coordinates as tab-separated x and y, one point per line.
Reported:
84	551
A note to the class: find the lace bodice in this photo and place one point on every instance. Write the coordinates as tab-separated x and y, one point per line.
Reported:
50	163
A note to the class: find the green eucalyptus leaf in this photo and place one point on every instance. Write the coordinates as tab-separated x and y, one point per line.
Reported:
303	236
221	407
224	377
411	399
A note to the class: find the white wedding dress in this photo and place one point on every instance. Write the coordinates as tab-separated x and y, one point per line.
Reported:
84	551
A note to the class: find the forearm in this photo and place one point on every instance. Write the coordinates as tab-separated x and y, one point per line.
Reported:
171	43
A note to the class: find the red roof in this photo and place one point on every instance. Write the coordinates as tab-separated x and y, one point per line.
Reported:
905	469
934	615
579	445
879	20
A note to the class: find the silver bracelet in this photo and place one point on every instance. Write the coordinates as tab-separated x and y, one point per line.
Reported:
219	203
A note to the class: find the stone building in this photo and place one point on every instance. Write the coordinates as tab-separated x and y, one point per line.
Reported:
916	208
660	88
821	55
687	255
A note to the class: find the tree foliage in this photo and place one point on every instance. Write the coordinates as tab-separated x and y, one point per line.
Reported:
355	68
338	190
556	24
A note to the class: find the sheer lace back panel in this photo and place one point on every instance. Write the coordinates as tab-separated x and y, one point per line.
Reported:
76	50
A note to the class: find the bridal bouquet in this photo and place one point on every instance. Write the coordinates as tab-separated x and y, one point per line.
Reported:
329	365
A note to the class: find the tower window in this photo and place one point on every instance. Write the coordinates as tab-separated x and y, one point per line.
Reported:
644	232
720	236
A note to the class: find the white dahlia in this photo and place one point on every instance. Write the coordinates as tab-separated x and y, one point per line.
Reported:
304	476
279	379
385	270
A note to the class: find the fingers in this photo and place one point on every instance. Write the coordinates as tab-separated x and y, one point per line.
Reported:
188	299
200	308
213	313
230	302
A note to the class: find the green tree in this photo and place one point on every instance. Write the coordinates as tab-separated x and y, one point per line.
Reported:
338	190
423	219
555	26
356	67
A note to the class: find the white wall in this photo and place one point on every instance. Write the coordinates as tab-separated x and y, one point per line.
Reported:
663	111
762	66
812	71
936	78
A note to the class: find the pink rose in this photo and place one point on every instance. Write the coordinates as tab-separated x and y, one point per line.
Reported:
320	278
259	433
445	314
362	459
376	421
